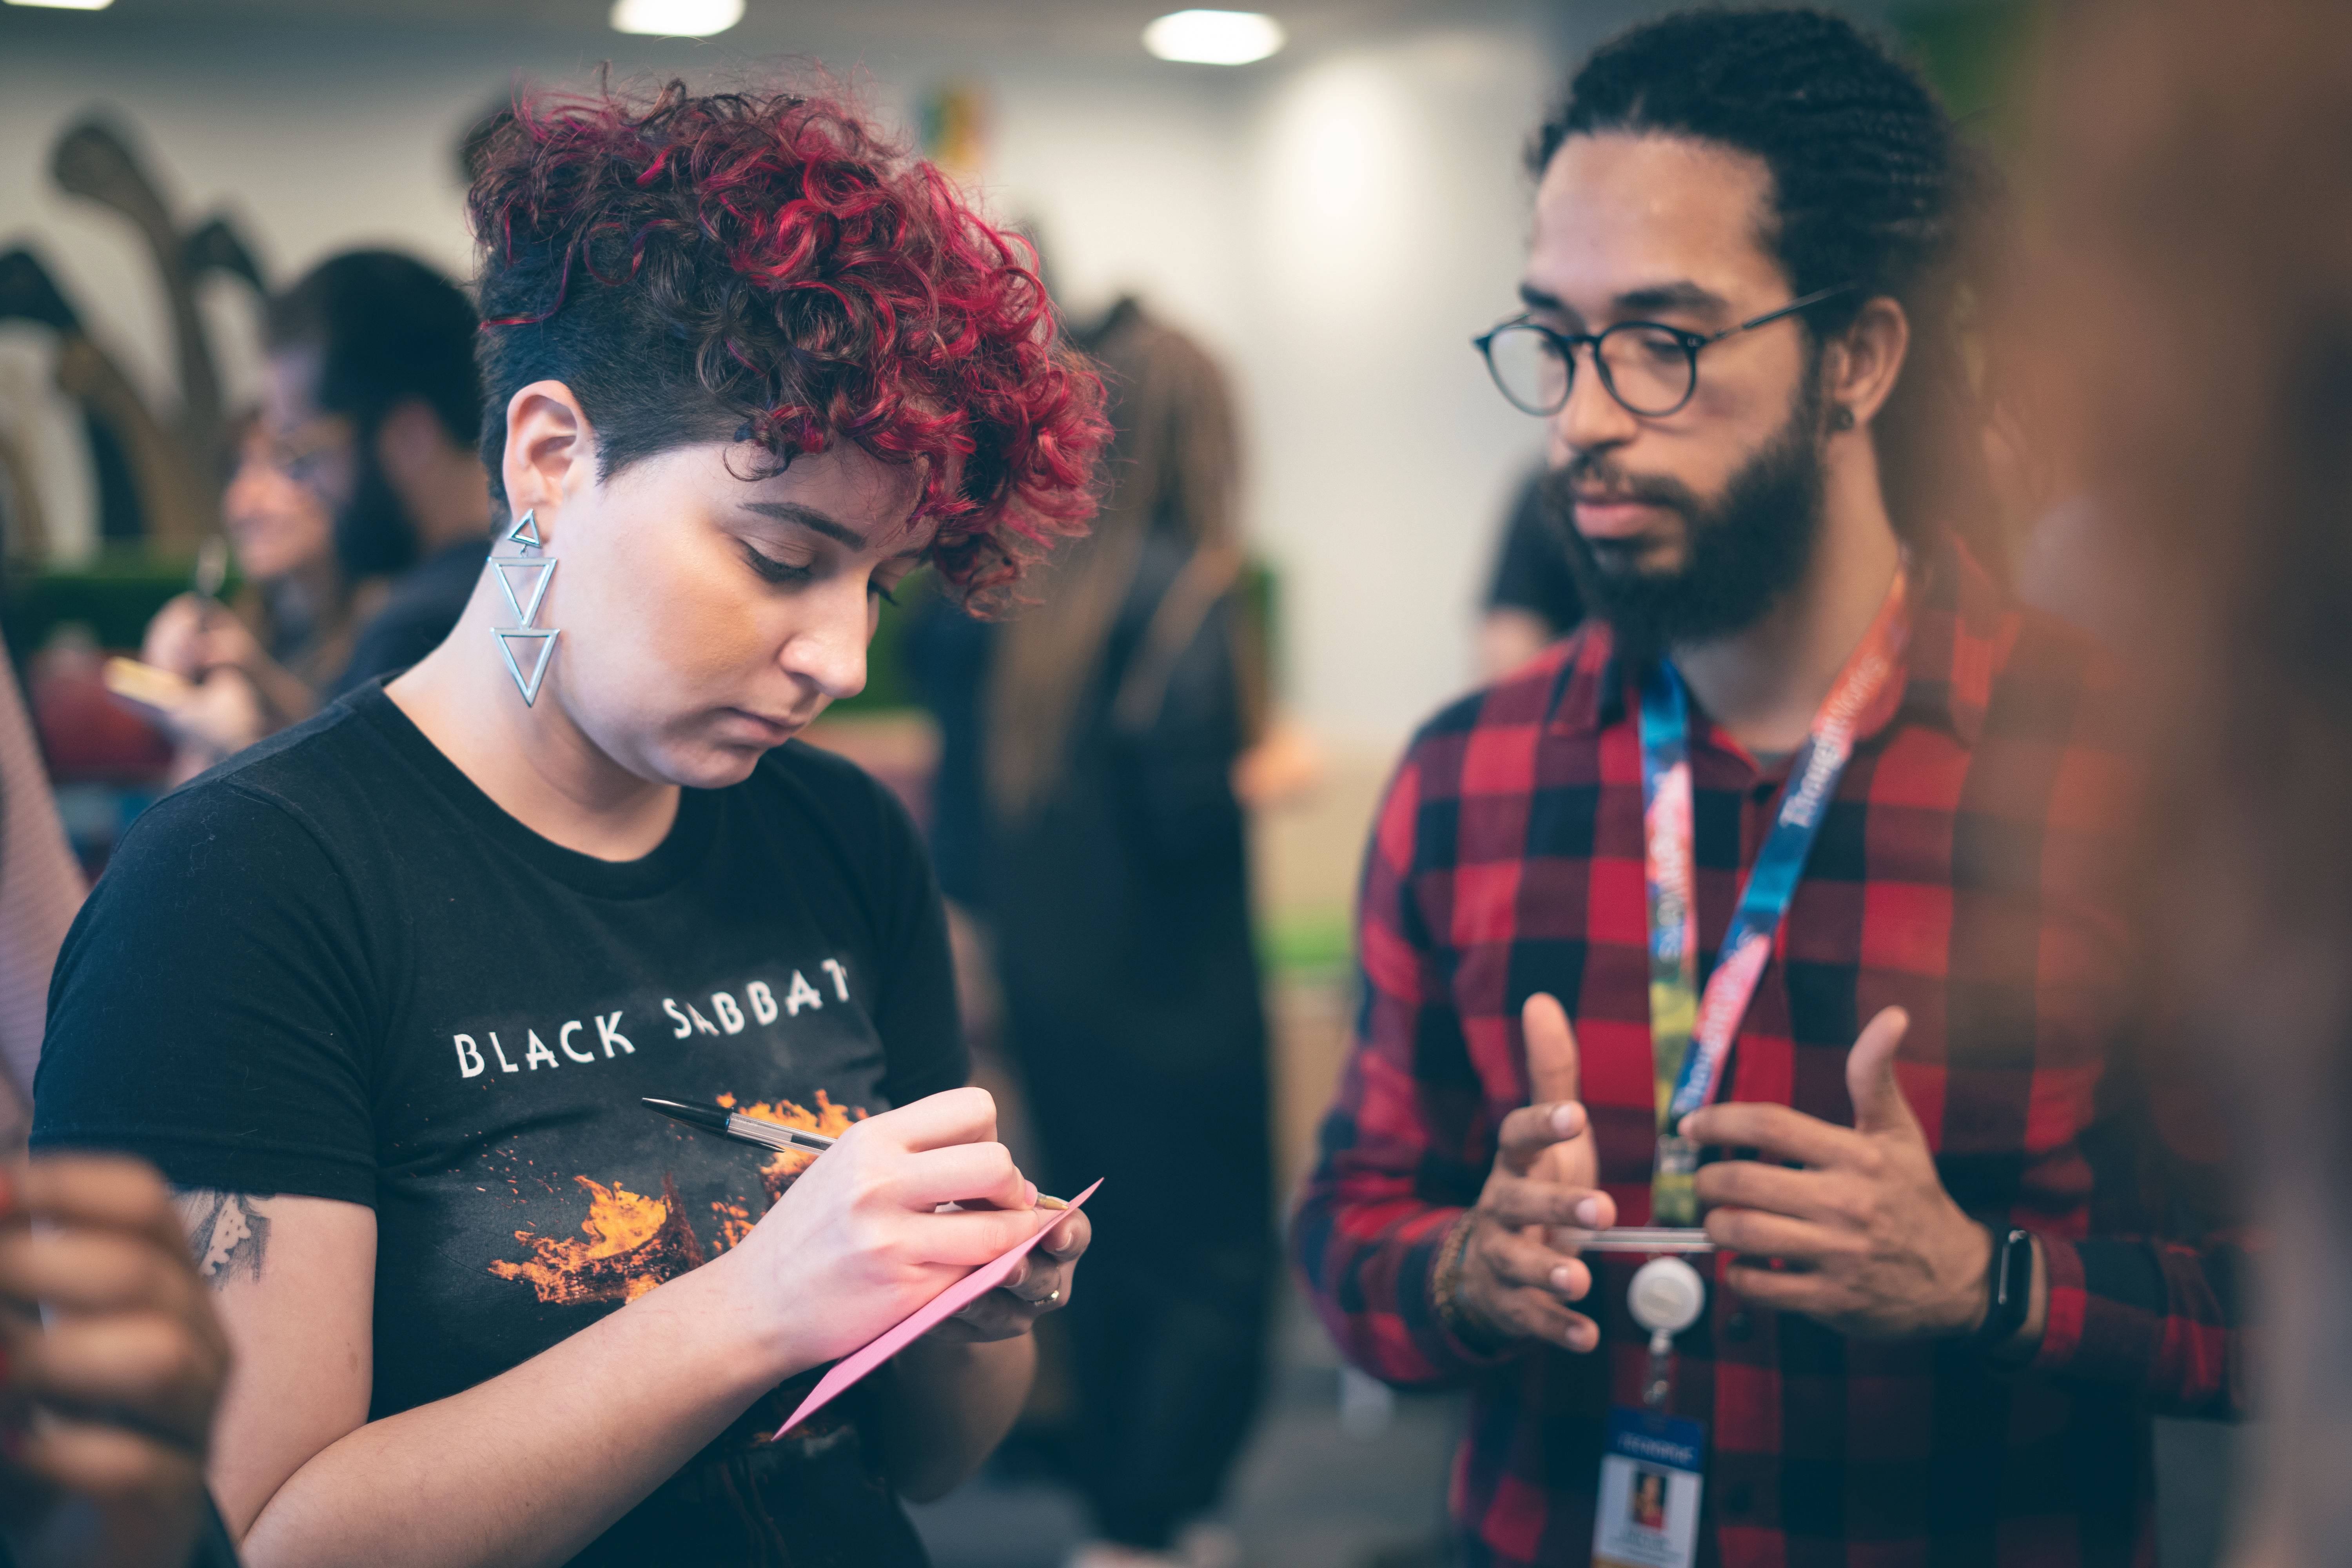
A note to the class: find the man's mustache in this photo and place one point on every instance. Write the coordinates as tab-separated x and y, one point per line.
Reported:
1595	473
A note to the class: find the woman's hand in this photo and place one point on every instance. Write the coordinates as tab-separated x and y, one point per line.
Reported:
109	1406
854	1245
174	639
1039	1284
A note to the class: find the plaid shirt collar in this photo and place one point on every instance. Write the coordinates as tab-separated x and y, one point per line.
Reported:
1947	661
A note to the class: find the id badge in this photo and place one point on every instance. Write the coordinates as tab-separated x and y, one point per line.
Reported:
1650	1478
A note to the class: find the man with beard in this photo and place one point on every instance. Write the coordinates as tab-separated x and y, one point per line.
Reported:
373	402
1807	736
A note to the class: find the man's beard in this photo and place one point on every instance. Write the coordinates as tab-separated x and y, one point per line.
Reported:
1742	555
373	535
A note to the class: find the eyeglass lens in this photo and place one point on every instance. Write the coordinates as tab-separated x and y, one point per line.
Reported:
1648	370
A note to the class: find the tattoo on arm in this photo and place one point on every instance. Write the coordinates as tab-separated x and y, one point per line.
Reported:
227	1233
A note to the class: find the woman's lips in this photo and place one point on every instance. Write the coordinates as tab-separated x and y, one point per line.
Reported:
774	732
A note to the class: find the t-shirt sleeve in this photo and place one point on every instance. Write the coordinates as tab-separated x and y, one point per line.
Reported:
915	1014
209	1008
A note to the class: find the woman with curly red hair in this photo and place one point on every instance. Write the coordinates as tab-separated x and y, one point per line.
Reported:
383	995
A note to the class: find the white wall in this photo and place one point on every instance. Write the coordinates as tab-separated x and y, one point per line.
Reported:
1336	224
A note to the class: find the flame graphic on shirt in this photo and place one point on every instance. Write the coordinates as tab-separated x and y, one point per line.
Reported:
631	1243
829	1119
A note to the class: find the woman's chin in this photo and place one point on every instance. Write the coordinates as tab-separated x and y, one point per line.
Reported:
709	764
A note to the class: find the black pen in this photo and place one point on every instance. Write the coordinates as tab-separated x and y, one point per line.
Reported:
741	1128
762	1134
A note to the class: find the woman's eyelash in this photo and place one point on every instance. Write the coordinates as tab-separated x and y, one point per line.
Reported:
776	570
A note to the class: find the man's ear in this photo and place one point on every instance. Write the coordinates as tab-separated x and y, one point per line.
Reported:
1863	361
550	451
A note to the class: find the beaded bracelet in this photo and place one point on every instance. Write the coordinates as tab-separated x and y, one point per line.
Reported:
1445	1276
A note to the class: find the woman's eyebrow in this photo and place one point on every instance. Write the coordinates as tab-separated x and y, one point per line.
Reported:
810	518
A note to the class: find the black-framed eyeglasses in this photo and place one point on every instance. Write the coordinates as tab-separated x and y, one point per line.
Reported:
1650	368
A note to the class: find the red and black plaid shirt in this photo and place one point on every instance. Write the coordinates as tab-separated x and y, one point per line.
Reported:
1968	871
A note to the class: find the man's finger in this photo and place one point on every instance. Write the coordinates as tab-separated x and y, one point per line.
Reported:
1521	1261
1823	1195
1776	1130
1538	1315
1530	1130
1878	1102
101	1460
100	1191
145	1367
1515	1200
92	1271
1783	1291
1552	1068
1751	1233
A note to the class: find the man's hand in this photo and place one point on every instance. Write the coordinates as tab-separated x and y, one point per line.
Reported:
1514	1282
1870	1242
110	1399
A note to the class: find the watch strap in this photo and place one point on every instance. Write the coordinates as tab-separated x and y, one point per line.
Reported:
2010	1282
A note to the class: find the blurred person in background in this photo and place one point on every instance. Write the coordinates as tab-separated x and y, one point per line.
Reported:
1532	600
374	404
1087	814
1965	1242
384	994
111	1364
2201	177
260	662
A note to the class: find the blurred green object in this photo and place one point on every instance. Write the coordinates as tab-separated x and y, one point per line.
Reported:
1976	53
115	596
1306	945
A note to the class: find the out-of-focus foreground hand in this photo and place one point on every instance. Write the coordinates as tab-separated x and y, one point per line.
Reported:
113	1365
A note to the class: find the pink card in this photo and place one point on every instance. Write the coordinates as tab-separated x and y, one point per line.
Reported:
946	1304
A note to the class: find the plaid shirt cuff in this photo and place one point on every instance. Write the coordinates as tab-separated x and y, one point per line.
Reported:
2139	1316
2061	1331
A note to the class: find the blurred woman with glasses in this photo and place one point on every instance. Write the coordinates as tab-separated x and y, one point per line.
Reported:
260	662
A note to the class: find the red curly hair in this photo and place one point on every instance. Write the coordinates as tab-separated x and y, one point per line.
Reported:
735	266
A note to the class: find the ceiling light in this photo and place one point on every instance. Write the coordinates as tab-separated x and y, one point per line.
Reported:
675	18
65	4
1213	38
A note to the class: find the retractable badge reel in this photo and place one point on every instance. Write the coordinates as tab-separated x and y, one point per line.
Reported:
1652	1470
1666	1297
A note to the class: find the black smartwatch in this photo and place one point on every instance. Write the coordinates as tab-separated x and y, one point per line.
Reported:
2010	1280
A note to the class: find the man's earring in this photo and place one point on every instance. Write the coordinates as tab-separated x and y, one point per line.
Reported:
523	579
1842	419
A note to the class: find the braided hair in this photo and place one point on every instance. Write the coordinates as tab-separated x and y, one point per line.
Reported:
1870	186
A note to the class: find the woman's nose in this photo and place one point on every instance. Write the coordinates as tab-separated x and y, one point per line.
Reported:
829	648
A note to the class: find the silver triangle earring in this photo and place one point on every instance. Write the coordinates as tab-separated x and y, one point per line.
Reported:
523	579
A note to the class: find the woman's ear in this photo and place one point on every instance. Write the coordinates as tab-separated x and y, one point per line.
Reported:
550	451
1864	362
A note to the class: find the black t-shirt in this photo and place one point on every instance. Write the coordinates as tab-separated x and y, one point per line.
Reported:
1531	571
418	616
333	967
